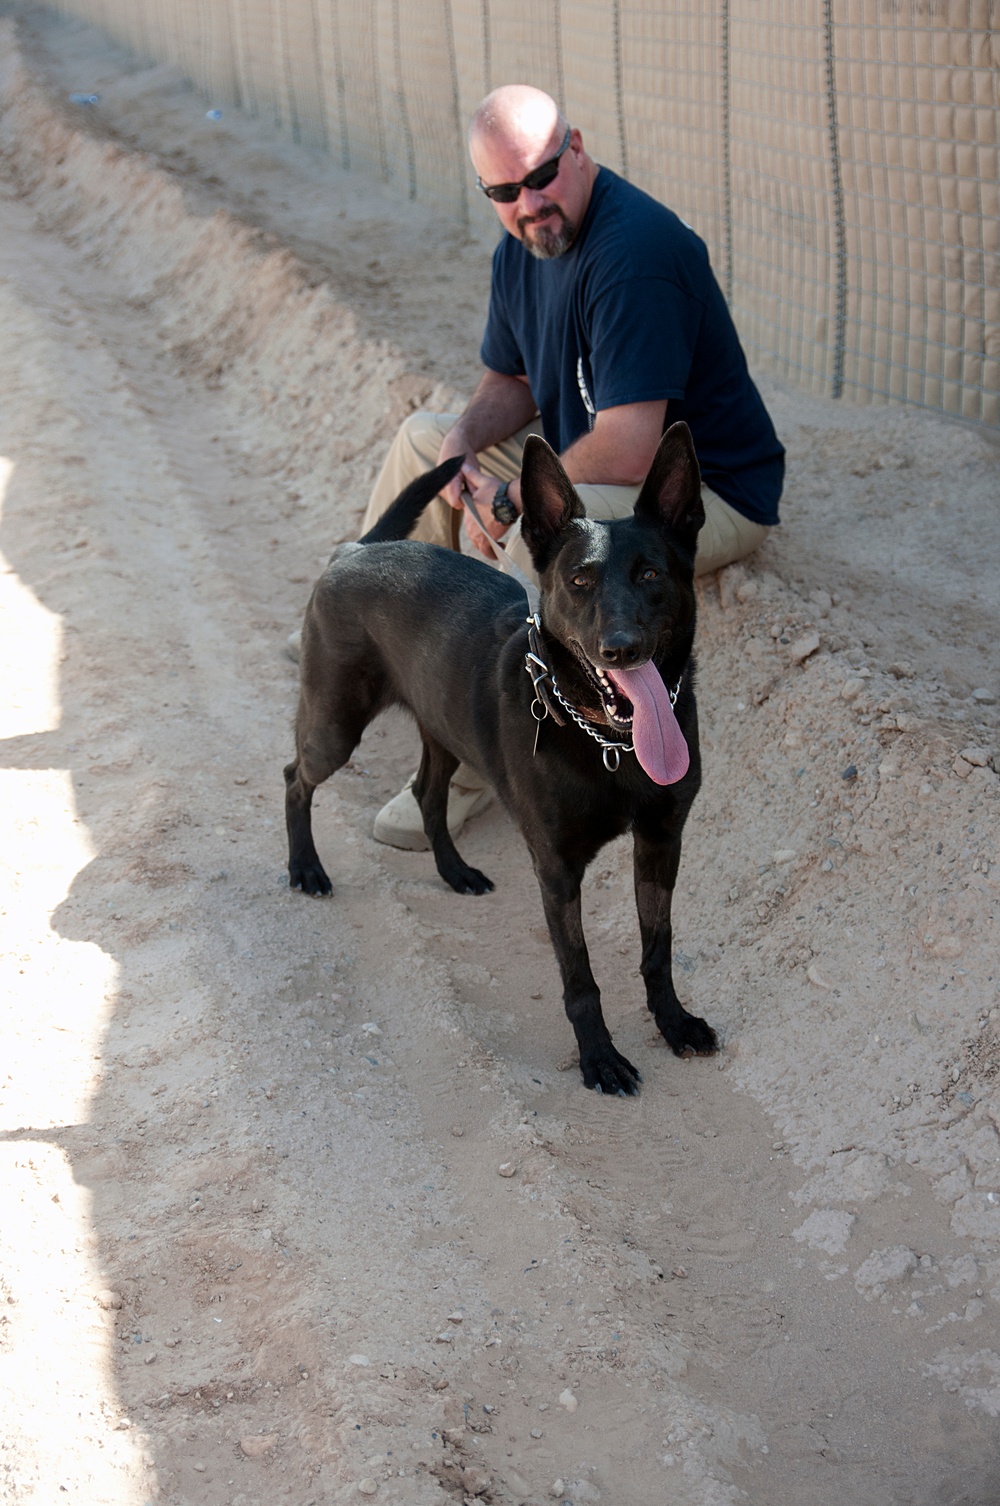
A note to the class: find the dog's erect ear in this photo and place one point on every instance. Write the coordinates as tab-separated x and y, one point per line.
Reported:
671	493
548	498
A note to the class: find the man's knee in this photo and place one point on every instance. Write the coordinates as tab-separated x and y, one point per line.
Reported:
420	436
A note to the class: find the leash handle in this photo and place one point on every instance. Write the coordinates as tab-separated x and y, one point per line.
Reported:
503	559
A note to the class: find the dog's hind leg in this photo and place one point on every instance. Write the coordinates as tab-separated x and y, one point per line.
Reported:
655	867
305	871
430	789
603	1067
325	737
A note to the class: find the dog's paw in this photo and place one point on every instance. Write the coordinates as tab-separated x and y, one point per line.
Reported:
466	880
310	878
687	1035
608	1071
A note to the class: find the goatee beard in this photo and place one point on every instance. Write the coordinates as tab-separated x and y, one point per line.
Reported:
547	241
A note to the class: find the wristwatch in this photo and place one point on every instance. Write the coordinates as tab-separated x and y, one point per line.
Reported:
503	508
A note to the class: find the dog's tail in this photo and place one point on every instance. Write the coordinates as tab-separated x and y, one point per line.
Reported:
400	518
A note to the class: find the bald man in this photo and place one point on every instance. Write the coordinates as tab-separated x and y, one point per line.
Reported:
605	323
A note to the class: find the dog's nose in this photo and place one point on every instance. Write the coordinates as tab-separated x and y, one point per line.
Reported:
621	649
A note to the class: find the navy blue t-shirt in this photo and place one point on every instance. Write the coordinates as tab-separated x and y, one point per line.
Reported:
632	313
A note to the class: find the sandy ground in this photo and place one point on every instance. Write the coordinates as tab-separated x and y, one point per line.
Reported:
255	1242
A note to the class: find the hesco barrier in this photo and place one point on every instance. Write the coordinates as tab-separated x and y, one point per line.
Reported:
840	157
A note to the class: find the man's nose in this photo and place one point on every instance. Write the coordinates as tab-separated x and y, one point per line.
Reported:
531	200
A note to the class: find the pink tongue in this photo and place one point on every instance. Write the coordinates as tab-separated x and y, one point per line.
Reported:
659	741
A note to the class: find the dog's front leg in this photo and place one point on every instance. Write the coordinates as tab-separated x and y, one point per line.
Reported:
602	1066
430	788
655	864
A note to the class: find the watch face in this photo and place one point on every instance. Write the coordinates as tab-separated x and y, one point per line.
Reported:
503	508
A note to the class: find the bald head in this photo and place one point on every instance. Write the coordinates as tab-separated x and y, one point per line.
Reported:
516	116
516	131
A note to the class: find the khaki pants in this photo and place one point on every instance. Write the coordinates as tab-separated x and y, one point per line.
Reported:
726	536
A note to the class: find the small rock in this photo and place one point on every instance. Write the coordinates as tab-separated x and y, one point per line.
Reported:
444	1338
948	947
456	1317
475	1480
109	1300
371	1028
536	1432
784	854
849	774
441	1384
150	1359
984	697
556	1488
816	978
368	1486
882	1266
748	591
801	649
961	767
826	1229
360	1359
851	689
199	1466
506	1168
680	1272
257	1206
256	1445
457	1131
901	670
568	1400
978	757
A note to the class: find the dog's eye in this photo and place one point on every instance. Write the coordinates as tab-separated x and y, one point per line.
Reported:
649	574
580	580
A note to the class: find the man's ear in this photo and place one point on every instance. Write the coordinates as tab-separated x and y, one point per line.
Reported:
671	493
548	499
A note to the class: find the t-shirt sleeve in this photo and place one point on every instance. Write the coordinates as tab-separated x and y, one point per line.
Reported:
643	336
499	350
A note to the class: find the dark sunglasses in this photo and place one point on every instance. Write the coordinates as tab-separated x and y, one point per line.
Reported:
507	193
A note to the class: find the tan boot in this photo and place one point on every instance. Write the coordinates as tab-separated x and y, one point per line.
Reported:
400	824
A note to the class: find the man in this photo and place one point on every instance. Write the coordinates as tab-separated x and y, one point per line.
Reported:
605	323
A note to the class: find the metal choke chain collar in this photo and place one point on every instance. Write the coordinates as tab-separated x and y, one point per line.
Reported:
541	706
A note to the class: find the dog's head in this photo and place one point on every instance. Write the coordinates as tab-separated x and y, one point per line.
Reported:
618	595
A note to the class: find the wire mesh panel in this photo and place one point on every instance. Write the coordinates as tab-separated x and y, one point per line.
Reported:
673	108
592	55
841	158
784	262
921	166
425	132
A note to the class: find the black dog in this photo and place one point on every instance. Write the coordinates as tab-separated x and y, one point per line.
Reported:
393	622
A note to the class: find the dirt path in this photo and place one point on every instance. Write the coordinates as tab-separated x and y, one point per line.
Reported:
256	1245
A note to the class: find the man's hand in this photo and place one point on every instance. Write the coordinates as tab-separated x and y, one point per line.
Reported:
499	407
454	443
483	489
